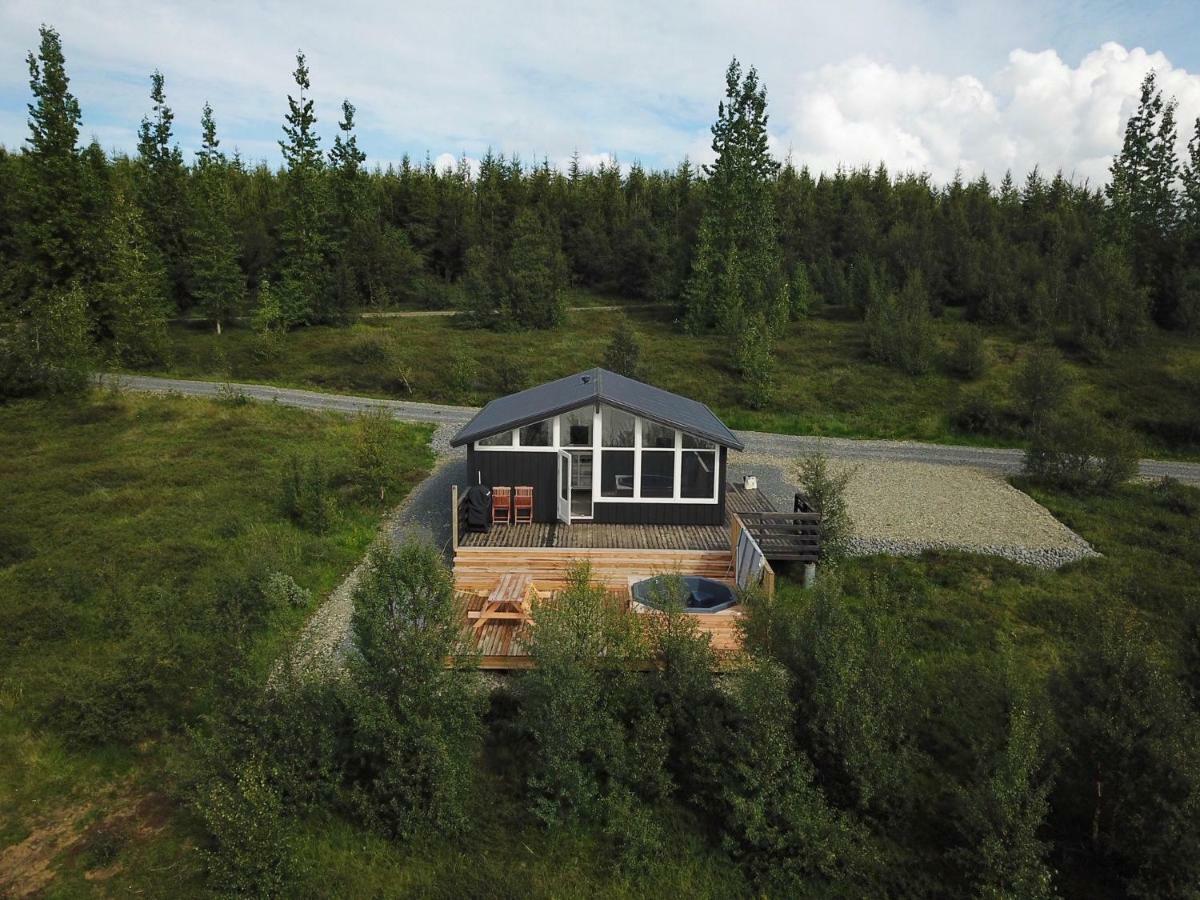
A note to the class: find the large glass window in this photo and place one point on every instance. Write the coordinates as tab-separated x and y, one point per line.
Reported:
575	428
503	439
655	435
616	473
698	474
616	427
658	473
691	442
536	435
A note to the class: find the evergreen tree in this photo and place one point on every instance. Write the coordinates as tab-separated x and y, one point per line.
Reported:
162	190
54	227
1107	307
346	219
217	283
303	278
537	274
736	269
623	353
49	347
133	293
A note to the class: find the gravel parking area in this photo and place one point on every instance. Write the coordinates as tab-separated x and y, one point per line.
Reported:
906	508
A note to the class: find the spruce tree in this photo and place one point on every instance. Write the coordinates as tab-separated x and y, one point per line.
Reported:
133	293
537	274
345	161
217	283
163	190
303	278
54	226
623	354
736	268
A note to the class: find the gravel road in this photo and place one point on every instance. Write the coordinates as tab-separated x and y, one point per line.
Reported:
1006	461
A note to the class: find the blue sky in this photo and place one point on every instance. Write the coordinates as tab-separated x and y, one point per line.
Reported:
933	85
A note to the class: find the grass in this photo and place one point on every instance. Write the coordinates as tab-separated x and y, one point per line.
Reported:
127	524
826	385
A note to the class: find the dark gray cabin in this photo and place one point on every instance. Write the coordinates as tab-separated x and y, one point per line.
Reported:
600	447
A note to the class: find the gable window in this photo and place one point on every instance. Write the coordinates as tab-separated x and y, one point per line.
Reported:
536	435
657	436
503	439
616	427
575	427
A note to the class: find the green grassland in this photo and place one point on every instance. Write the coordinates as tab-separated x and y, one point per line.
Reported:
826	385
132	529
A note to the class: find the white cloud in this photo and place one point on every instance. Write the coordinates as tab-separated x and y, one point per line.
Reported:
1037	110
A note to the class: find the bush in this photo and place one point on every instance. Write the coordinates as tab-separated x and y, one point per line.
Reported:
1041	385
899	329
511	376
282	592
753	360
774	817
623	354
1077	451
373	348
305	497
1176	497
968	357
595	733
378	453
827	494
251	850
417	725
462	372
977	412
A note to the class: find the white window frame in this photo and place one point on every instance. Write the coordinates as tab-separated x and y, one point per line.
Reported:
597	450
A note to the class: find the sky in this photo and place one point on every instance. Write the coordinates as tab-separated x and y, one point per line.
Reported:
919	85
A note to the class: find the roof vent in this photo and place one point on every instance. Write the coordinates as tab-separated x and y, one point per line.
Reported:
586	379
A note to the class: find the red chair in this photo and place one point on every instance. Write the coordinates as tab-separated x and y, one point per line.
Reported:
523	505
501	506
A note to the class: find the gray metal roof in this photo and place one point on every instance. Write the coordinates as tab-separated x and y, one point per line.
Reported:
595	386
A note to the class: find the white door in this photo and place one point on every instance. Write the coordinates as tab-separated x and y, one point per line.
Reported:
564	487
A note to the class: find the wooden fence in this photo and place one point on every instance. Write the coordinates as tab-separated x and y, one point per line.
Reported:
749	558
786	535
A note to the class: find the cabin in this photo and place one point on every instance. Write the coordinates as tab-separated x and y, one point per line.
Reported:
602	448
626	477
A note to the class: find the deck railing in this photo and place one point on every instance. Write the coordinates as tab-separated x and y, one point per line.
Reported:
786	535
741	543
458	516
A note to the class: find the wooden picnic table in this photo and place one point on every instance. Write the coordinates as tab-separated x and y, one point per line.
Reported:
509	599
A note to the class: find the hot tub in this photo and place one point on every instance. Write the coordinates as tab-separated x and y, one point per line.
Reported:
701	595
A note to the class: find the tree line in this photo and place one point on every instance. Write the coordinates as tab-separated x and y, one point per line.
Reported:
100	250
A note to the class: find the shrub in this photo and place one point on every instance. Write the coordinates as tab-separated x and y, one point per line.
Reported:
305	497
282	592
977	412
827	494
378	453
594	733
899	329
1077	451
968	357
511	376
372	348
1041	385
753	360
416	726
1176	497
623	354
251	850
1129	795
774	817
462	372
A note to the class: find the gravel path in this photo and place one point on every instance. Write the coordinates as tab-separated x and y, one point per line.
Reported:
1006	461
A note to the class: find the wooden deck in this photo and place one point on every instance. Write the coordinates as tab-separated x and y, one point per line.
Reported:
501	648
616	554
623	537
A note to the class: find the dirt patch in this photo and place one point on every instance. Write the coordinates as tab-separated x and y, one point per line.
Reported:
92	836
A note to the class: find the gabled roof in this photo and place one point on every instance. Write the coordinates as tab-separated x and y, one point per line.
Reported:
595	386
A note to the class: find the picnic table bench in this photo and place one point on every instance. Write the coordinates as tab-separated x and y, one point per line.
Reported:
509	599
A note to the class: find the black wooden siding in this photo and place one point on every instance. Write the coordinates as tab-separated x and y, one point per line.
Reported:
509	468
538	468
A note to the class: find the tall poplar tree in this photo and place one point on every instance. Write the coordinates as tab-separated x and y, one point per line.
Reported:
163	190
737	266
218	285
303	276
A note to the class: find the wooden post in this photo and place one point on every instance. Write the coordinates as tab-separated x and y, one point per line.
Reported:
810	575
454	517
735	529
768	581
